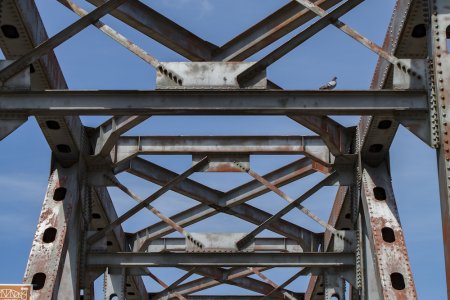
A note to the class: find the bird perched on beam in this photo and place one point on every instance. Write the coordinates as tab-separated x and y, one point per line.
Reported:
329	85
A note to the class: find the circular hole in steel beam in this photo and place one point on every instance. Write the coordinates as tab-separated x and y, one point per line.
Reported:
379	193
53	125
388	234
9	31
63	148
96	216
38	281
49	235
419	31
385	124
59	194
398	282
375	148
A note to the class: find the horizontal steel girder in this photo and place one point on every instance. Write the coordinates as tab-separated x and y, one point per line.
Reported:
221	102
145	259
224	241
218	297
311	146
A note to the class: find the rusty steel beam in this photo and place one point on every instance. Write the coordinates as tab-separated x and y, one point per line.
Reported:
128	147
157	213
350	32
122	40
396	103
61	133
295	41
292	204
139	259
161	29
335	136
237	277
258	245
302	272
30	57
214	201
215	277
267	31
338	219
439	65
135	209
107	134
58	216
387	243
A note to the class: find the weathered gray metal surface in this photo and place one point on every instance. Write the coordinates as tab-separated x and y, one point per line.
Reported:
439	65
222	242
127	259
237	102
353	248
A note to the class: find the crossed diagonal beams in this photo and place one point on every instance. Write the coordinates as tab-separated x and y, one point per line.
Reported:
213	201
338	149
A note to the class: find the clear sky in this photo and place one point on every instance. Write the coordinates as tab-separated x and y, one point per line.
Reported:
93	61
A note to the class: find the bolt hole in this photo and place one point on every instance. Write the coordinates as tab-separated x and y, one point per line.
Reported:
375	148
59	194
320	294
63	148
348	216
398	282
385	124
419	31
345	228
10	31
131	294
38	281
128	285
109	243
99	228
388	234
54	125
379	193
96	216
49	235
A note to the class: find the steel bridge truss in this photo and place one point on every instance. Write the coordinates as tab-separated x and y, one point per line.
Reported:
80	236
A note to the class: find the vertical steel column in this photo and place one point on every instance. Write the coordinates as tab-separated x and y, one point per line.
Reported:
386	251
114	284
440	97
48	253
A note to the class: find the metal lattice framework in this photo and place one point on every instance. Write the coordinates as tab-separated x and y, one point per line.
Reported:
79	234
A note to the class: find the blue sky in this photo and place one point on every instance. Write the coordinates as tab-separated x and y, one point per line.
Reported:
93	61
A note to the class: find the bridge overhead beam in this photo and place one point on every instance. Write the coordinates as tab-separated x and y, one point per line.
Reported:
236	102
129	260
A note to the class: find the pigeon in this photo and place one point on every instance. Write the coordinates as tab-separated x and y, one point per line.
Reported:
330	85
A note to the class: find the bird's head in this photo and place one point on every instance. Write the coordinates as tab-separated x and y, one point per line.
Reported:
334	78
